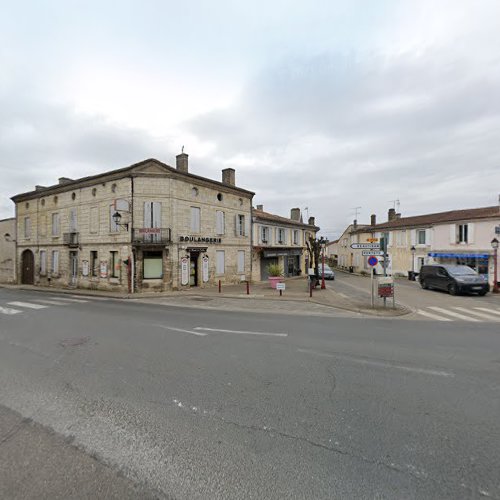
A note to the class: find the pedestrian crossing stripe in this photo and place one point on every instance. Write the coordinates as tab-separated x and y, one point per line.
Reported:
28	305
53	302
480	314
477	314
9	310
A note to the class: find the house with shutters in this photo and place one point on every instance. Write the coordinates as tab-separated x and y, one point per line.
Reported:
145	227
280	240
454	237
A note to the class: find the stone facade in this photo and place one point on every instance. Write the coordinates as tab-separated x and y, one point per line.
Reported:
282	241
168	218
8	250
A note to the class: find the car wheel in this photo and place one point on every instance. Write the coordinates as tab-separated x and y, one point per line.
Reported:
424	285
453	289
483	293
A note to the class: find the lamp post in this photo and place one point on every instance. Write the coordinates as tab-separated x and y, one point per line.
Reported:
494	245
322	242
413	251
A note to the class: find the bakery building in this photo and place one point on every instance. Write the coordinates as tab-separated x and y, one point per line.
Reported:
280	240
145	227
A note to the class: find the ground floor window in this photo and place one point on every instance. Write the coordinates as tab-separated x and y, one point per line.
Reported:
114	266
153	265
43	262
94	263
241	261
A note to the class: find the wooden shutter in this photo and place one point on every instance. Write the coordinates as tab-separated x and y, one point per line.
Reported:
220	262
156	214
72	220
241	261
470	233
453	233
148	214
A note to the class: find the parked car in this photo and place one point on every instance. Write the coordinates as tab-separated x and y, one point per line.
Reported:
329	274
453	279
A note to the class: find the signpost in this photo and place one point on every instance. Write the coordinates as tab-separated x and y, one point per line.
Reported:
372	261
371	246
184	271
368	253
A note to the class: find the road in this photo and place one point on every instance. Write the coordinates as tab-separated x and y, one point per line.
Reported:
190	403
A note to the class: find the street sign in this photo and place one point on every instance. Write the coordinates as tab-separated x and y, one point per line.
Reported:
373	261
280	286
365	245
369	253
385	287
372	240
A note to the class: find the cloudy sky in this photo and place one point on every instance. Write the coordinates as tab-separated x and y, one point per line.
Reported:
328	104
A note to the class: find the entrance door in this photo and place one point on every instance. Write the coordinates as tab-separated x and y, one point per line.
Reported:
193	270
28	268
73	265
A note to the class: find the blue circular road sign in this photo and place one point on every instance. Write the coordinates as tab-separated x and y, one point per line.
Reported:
373	261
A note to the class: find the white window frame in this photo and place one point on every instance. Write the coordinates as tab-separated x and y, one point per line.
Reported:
419	232
265	234
220	262
463	233
54	262
240	225
296	236
195	219
281	236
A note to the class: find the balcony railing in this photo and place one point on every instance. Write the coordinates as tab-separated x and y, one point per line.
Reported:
71	239
151	236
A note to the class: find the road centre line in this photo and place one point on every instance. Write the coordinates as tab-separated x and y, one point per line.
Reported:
27	305
239	332
452	313
8	310
380	364
432	316
199	334
477	313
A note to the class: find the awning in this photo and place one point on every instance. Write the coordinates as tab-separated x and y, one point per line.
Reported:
281	252
444	255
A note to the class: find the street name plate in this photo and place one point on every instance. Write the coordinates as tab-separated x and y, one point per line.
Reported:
370	253
365	245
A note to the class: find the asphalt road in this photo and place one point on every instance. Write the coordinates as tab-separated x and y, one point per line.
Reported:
189	403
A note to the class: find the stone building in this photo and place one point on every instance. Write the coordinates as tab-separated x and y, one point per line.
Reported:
282	241
145	227
8	250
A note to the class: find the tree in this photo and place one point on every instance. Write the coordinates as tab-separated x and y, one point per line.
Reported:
314	246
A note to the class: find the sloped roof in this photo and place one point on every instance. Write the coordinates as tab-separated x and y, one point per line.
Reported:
436	218
266	216
117	173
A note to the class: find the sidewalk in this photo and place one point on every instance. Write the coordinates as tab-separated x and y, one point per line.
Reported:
261	296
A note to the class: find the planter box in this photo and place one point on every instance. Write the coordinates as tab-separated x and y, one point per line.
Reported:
274	280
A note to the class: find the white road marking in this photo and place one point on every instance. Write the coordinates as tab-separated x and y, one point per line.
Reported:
480	314
27	305
453	313
181	330
87	297
492	311
53	302
8	310
433	316
65	299
238	332
381	364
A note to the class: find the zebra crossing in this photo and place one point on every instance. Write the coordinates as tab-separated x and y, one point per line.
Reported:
18	307
456	313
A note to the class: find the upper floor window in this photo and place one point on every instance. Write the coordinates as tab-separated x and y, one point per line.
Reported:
296	237
240	225
220	222
195	219
421	239
72	221
280	235
463	233
55	224
27	227
264	234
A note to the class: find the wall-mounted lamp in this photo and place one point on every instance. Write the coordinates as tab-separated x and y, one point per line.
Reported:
117	217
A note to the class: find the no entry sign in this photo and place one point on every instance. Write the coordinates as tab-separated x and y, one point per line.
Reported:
373	261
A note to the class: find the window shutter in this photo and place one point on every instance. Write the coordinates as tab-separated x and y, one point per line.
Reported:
453	234
241	261
220	261
148	216
94	219
72	220
156	214
428	237
470	233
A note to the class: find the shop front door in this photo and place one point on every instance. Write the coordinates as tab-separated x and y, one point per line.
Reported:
193	270
28	268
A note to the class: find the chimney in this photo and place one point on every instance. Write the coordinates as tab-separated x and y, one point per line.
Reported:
295	214
398	216
182	162
355	224
311	221
391	214
64	180
260	207
228	176
373	220
39	188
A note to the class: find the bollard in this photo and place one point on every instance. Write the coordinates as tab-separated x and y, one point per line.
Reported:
311	291
248	288
220	286
281	293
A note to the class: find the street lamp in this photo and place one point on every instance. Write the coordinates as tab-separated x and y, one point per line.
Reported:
494	245
323	242
117	217
413	250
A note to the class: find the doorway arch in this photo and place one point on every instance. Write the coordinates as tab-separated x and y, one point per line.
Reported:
28	268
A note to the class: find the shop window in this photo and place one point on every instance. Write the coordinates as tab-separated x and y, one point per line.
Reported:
114	264
94	263
152	265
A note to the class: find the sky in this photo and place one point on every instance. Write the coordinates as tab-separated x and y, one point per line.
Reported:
324	105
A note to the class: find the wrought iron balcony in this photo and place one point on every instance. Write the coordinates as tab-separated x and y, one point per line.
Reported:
151	236
71	239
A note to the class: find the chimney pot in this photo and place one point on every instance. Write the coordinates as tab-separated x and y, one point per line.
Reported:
311	221
295	214
391	215
229	176
182	163
355	224
373	219
260	207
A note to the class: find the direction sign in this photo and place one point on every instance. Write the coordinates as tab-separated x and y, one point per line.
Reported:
373	261
365	245
372	240
369	253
